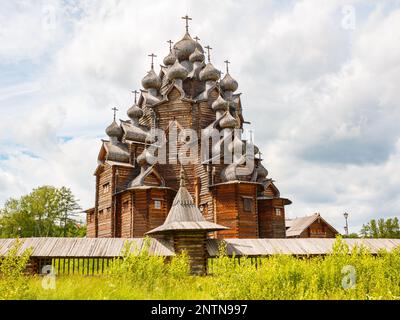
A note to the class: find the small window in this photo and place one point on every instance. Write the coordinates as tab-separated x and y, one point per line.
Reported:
108	210
125	206
106	188
101	212
278	211
248	204
157	204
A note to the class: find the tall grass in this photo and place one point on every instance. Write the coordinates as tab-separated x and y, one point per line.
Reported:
344	274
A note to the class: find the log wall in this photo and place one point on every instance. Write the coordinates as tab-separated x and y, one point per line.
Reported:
271	224
104	205
194	244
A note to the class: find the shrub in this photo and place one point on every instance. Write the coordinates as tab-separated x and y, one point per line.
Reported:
13	283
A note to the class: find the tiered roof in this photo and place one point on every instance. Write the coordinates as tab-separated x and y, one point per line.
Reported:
185	62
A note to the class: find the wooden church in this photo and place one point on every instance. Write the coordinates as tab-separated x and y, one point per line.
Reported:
134	193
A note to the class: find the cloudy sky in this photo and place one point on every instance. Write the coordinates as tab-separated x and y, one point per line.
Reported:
320	83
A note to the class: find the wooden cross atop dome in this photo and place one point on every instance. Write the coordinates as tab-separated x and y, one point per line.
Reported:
227	62
135	92
115	112
187	18
208	52
152	59
170	45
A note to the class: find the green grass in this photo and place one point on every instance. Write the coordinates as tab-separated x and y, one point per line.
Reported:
277	277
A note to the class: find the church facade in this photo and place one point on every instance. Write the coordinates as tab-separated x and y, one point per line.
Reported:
134	192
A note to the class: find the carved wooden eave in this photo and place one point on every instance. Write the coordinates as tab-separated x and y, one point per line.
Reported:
171	87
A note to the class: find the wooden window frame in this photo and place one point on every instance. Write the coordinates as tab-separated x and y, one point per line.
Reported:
248	204
106	187
159	202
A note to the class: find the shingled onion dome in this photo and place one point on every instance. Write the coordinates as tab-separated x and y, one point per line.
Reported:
262	173
256	149
170	59
219	106
227	121
209	73
185	47
134	113
228	83
197	61
177	71
196	56
151	81
114	131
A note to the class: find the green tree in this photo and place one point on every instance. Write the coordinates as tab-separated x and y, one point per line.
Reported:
352	235
68	207
382	228
45	212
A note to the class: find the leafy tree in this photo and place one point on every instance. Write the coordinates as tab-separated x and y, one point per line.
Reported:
45	212
352	235
68	207
382	228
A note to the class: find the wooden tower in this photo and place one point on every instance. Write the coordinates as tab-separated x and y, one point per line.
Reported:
187	229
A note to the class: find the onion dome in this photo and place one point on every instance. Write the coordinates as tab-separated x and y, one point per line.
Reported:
114	130
185	47
228	83
135	112
169	59
151	80
177	71
256	149
209	73
219	104
227	121
261	171
196	56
